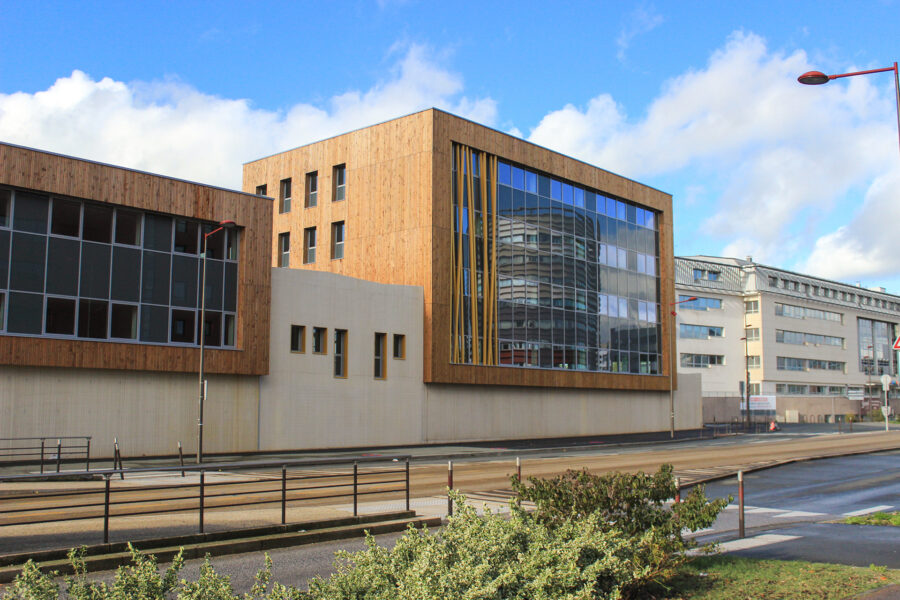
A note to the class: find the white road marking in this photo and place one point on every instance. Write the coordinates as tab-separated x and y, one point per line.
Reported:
756	511
755	542
799	513
868	511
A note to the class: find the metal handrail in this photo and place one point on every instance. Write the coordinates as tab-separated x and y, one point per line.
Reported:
117	503
44	452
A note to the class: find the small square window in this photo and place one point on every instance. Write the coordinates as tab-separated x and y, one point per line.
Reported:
337	240
123	322
284	197
60	316
312	189
320	340
128	227
284	249
186	235
309	245
298	338
65	218
262	190
399	345
340	183
92	318
183	326
98	224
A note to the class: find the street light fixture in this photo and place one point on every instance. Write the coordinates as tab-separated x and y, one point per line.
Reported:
819	78
227	224
672	367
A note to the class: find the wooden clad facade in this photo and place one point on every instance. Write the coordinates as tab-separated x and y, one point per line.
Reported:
397	216
63	176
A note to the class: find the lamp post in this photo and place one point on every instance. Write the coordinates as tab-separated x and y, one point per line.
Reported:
672	367
227	224
819	78
869	371
746	340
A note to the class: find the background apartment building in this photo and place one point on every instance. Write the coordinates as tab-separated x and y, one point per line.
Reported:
816	346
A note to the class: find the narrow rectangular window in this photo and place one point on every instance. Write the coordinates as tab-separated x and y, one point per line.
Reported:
262	190
320	340
337	240
399	345
284	196
312	189
2	310
284	249
340	183
340	352
379	366
5	196
309	245
298	338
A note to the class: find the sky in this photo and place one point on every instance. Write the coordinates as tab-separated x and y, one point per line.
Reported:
697	99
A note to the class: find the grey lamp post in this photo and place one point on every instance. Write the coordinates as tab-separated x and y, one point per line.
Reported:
672	366
227	224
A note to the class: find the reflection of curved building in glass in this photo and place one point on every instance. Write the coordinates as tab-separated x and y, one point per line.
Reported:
576	272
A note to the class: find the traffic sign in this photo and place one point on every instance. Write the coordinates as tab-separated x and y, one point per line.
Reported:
897	343
885	382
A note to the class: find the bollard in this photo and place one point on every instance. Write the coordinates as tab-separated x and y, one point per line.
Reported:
42	455
355	486
519	469
740	504
283	494
181	458
407	483
106	510
677	490
58	454
87	456
449	487
202	490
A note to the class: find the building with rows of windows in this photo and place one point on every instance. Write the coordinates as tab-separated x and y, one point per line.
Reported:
423	280
543	276
817	347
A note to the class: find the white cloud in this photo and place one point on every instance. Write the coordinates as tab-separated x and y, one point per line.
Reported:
171	128
641	20
778	154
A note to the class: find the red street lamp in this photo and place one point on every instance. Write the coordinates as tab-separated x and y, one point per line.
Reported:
819	78
672	368
227	224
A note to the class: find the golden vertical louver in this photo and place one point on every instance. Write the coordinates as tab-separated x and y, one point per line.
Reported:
480	323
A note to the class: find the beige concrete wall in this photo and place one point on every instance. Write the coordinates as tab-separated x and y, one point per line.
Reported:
303	405
148	412
470	413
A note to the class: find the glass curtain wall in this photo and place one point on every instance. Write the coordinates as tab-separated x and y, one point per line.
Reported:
876	340
576	272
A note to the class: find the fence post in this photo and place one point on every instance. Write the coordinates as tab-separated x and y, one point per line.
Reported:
740	504
58	454
202	483
407	483
106	510
42	455
519	469
283	494
87	455
181	457
449	487
355	486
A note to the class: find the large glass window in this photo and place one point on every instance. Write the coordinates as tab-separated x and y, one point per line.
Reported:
577	272
876	339
72	267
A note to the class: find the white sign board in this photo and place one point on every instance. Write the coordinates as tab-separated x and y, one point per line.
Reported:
760	403
855	394
885	382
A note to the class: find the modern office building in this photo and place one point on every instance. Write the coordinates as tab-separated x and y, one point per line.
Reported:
543	276
813	346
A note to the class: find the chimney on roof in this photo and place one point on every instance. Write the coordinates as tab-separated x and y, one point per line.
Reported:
749	259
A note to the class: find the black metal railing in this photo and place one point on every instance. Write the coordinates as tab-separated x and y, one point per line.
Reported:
284	482
47	450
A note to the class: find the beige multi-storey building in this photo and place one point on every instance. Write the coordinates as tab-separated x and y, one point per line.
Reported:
816	347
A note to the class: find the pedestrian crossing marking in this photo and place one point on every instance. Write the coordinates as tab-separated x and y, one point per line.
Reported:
755	542
799	513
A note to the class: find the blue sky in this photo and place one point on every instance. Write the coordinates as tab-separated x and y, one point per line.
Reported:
698	99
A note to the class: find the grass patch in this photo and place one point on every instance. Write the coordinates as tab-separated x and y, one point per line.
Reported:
730	578
879	518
